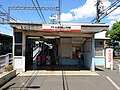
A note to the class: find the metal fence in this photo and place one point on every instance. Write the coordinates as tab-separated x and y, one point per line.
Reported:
5	60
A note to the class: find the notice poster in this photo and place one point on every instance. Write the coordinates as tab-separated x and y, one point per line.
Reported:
109	58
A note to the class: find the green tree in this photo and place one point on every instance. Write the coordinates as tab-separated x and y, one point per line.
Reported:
114	33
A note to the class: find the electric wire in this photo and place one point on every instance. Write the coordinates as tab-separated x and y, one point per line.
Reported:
109	12
8	14
111	6
37	11
41	11
107	9
4	20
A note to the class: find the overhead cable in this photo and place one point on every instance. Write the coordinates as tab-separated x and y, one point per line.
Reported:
102	13
37	11
41	11
8	15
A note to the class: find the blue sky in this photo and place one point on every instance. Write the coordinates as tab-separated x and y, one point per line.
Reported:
71	11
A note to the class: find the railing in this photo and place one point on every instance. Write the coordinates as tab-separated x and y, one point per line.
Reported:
5	60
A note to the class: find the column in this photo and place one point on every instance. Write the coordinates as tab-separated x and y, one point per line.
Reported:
93	53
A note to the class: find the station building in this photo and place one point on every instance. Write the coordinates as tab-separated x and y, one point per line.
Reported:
67	39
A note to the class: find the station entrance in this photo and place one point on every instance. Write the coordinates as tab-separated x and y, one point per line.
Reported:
54	45
54	53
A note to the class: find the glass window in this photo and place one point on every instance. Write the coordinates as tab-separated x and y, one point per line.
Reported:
99	47
18	37
18	50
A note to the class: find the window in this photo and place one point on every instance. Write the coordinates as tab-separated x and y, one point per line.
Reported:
18	50
18	43
99	48
18	37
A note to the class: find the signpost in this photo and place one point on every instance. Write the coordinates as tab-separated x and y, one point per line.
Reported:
109	58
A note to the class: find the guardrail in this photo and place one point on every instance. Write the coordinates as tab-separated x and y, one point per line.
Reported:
5	60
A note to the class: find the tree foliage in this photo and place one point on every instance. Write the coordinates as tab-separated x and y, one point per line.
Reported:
114	33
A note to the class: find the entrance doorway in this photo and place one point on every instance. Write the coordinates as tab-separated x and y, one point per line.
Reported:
31	52
41	52
46	53
49	52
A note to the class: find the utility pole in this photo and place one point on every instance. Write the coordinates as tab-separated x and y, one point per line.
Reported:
103	12
97	11
59	12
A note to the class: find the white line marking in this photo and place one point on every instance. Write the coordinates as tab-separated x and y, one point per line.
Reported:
113	83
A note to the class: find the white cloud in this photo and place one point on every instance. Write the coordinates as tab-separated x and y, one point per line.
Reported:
87	10
66	17
115	15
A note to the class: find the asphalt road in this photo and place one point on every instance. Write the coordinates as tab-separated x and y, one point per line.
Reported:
107	80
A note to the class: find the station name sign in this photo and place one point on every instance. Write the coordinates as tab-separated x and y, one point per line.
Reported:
61	28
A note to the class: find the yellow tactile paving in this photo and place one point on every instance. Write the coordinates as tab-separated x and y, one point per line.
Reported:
80	73
30	73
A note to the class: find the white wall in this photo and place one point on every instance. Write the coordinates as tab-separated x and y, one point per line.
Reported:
101	35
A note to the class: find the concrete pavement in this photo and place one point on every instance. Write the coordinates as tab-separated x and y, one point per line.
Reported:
35	81
113	75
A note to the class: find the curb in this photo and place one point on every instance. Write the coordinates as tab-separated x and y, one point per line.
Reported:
7	76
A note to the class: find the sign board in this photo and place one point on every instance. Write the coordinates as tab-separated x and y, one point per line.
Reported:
109	58
61	28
